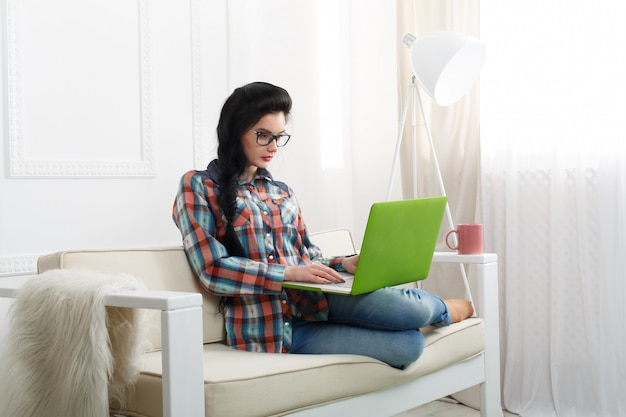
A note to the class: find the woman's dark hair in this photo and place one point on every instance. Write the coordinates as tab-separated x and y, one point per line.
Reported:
245	106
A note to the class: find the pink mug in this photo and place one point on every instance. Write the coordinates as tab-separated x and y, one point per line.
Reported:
470	238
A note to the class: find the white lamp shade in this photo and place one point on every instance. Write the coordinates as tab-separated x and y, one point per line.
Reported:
447	64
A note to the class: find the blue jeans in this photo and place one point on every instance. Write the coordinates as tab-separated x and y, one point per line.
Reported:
383	324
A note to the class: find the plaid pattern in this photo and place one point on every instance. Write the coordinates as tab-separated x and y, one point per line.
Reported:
271	230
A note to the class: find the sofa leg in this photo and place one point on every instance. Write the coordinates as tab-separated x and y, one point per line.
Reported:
489	402
490	405
183	379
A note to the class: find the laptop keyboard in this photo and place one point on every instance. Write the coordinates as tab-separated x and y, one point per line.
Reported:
347	283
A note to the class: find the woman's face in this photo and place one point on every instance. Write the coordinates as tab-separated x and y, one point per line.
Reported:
260	156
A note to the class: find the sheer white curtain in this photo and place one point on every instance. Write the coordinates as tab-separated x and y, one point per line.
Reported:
553	136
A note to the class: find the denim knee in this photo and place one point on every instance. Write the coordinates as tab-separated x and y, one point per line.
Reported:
389	308
404	350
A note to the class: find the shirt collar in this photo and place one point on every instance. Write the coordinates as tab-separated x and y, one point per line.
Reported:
214	172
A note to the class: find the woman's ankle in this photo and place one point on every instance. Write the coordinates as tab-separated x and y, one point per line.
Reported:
459	310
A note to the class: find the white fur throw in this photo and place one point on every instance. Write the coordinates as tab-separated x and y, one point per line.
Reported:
66	355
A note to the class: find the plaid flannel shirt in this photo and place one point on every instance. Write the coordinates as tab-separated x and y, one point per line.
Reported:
273	234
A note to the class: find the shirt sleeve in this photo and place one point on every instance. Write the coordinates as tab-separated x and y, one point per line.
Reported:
220	273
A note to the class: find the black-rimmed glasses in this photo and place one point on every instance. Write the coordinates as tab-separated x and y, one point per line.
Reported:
265	138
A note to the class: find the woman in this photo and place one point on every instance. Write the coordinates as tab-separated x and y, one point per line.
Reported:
243	234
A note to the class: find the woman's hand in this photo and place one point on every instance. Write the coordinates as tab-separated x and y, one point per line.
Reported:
316	273
349	263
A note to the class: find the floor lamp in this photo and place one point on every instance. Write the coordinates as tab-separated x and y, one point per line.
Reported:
446	65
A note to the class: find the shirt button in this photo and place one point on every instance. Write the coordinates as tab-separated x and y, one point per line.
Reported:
265	213
286	324
268	234
271	257
284	301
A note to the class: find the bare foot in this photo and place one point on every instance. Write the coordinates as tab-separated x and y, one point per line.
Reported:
459	310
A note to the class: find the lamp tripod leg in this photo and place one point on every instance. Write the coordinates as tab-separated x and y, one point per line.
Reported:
442	189
411	92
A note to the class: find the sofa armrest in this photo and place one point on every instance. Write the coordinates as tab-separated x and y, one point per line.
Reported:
181	341
154	300
181	336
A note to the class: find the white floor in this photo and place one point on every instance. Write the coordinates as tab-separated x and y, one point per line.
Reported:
445	408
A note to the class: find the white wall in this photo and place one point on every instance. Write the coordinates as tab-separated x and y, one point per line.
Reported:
107	103
77	126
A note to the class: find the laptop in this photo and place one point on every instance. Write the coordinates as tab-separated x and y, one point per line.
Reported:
398	247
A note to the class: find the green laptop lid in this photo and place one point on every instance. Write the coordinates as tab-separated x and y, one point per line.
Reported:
399	243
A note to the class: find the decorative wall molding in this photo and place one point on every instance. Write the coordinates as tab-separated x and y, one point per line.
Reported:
21	166
18	265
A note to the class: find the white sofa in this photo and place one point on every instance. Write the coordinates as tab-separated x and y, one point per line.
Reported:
190	372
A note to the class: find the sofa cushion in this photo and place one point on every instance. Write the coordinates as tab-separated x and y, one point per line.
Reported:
239	383
155	267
